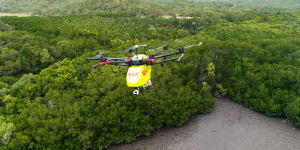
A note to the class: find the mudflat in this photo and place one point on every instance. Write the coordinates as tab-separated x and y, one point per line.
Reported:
231	126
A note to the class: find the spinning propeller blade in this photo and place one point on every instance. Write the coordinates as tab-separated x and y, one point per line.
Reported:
97	57
179	58
156	48
137	46
193	45
94	66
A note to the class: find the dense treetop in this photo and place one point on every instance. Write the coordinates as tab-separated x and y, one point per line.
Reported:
50	98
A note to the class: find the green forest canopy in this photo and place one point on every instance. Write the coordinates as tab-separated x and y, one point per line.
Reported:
51	98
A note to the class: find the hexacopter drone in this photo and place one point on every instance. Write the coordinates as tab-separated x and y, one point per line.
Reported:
139	71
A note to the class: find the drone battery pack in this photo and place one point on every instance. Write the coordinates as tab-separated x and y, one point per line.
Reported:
138	76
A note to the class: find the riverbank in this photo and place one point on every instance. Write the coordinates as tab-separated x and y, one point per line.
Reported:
230	126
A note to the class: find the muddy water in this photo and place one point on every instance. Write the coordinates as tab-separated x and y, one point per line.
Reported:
230	126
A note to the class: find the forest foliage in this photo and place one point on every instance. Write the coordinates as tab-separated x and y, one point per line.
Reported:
286	4
50	98
92	108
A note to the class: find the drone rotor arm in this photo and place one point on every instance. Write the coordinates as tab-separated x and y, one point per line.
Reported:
120	63
94	58
170	54
117	59
165	47
167	60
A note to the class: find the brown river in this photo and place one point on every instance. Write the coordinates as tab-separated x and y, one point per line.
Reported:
231	126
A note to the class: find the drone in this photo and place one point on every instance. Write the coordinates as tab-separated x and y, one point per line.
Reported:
140	65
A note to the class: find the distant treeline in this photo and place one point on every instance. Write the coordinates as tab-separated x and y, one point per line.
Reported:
282	4
134	7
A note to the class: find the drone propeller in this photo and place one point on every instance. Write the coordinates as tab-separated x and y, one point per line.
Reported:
131	50
94	66
179	58
97	57
156	48
193	45
137	46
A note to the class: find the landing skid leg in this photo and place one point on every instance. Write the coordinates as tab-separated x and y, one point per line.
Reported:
136	92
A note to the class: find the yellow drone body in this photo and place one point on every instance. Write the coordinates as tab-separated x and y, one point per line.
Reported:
139	76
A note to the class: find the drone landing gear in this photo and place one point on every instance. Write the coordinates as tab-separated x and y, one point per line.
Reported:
136	91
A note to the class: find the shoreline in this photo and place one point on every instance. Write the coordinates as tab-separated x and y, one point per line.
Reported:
229	126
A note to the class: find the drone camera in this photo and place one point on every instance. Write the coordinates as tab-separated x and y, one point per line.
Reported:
136	92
